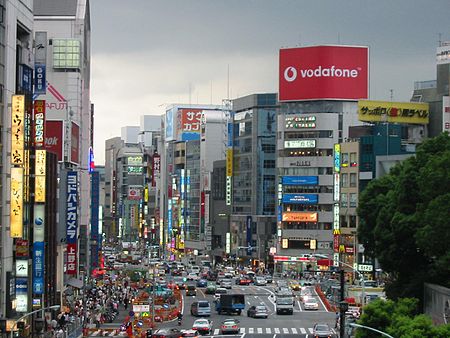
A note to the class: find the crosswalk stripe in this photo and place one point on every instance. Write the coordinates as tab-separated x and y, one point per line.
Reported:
216	332
302	330
311	329
277	330
294	330
250	330
242	330
259	330
268	330
285	330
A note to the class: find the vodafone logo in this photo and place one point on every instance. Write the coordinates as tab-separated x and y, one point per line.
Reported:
290	73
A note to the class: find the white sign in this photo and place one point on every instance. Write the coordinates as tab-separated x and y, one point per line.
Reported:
336	259
443	55
228	243
446	113
336	220
141	308
228	191
300	144
337	187
22	268
21	302
365	267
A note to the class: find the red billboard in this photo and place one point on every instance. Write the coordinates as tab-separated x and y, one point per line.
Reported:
54	137
75	144
71	263
324	72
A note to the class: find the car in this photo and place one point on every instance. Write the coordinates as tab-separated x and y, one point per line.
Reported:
260	281
203	326
311	304
210	289
189	333
226	283
229	326
192	276
118	265
295	286
268	278
179	282
322	330
201	308
176	272
281	283
191	290
243	281
195	269
166	333
201	283
259	311
220	291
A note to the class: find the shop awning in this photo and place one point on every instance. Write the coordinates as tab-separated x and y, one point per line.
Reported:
76	283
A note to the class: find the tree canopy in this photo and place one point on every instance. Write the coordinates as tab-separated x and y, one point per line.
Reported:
405	220
399	319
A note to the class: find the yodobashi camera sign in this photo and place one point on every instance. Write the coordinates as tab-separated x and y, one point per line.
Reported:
324	72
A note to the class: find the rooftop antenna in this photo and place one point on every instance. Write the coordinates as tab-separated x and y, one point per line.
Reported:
440	39
391	92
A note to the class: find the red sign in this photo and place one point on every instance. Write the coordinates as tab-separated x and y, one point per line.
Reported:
75	144
54	137
336	243
71	264
39	123
324	72
22	249
189	120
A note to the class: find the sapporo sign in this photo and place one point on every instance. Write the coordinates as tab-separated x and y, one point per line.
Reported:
395	112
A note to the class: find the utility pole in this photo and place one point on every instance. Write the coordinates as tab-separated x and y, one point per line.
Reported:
343	306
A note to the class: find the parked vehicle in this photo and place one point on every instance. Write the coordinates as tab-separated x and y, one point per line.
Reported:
230	304
201	308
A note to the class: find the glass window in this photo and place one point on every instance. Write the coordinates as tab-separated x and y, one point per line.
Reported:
353	160
353	200
344	160
352	221
344	200
353	180
344	180
66	53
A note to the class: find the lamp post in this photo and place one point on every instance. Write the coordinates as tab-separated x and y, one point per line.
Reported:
371	329
53	307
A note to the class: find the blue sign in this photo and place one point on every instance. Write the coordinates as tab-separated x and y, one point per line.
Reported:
300	180
21	286
169	125
166	306
230	134
300	198
249	235
38	268
95	191
280	214
26	78
72	207
40	83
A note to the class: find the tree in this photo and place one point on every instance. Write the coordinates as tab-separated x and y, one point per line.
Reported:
405	223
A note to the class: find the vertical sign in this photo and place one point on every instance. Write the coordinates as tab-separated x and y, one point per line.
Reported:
38	268
40	86
446	113
95	187
336	209
39	123
39	182
156	168
337	158
17	130
16	214
72	222
229	180
249	235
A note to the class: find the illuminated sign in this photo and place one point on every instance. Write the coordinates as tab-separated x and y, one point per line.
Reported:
39	223
336	259
365	267
40	171
336	224
299	122
300	199
228	190
395	112
300	144
299	217
38	268
337	158
39	123
228	243
337	187
313	244
21	268
300	180
21	294
284	243
17	129
134	160
71	259
16	214
156	168
135	170
134	192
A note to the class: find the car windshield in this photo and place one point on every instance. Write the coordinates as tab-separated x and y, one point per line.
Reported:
229	322
203	304
201	322
261	308
221	291
322	328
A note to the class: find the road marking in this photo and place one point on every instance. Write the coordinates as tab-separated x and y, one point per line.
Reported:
250	330
242	330
326	310
302	330
248	302
204	296
268	330
259	329
311	329
285	330
277	330
216	332
299	306
294	330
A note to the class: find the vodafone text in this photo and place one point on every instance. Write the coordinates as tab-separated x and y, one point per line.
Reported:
290	73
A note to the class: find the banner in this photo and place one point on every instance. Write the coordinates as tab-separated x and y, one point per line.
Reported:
300	217
301	198
16	211
17	129
72	207
300	180
38	268
393	112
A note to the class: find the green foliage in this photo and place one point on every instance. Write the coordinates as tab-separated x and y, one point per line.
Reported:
399	319
405	223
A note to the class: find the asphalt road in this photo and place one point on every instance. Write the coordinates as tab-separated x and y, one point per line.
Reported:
300	324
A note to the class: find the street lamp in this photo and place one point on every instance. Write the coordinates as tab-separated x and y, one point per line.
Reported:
371	329
53	307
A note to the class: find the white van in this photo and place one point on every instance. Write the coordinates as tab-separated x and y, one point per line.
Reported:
195	269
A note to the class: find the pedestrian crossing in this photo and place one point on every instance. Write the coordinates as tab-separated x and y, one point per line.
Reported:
270	330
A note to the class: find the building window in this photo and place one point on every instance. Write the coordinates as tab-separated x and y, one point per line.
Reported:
353	160
344	180
66	53
352	221
353	180
269	163
344	163
353	200
344	200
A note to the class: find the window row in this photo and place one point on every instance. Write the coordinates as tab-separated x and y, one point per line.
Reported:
345	180
307	226
349	200
306	171
306	134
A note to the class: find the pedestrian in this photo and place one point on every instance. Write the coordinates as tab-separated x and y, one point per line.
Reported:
337	320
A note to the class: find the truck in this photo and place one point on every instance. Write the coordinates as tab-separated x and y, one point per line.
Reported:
229	304
285	303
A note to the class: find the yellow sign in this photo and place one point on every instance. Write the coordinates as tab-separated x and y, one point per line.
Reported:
394	112
341	248
39	182
229	162
313	244
285	243
17	129
16	213
146	194
336	232
299	217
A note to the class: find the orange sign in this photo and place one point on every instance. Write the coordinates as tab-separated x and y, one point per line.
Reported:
300	217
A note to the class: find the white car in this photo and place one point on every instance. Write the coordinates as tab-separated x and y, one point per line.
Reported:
311	304
192	276
203	326
260	281
220	291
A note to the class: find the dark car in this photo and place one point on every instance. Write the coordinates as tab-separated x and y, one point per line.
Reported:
176	272
201	283
259	311
191	290
322	330
167	333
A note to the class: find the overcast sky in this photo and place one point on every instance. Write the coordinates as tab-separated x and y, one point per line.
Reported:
150	53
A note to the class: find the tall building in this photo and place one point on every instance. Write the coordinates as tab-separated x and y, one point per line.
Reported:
253	176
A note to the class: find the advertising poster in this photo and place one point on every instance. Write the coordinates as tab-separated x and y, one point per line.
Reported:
38	268
54	138
393	112
71	222
75	144
188	124
300	217
300	180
